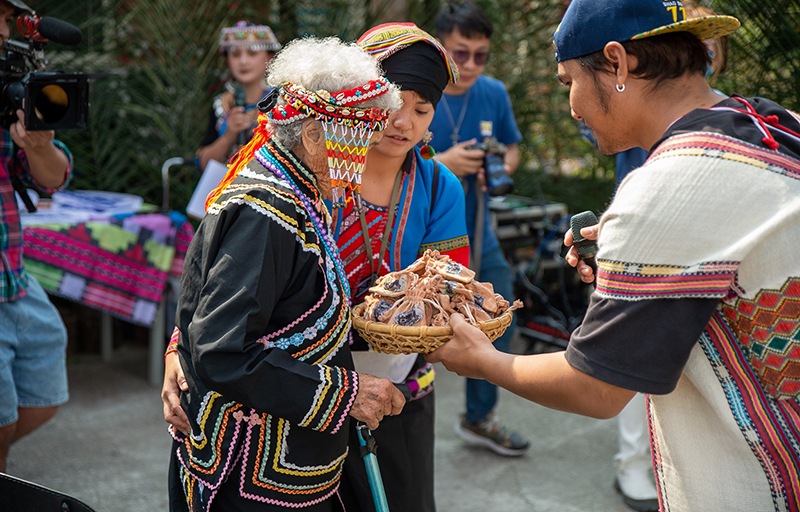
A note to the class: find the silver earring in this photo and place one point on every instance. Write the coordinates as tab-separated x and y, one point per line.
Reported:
620	88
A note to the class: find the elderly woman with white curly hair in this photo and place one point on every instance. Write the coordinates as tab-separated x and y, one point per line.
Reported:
263	316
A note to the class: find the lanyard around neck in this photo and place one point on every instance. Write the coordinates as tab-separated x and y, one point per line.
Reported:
374	269
456	125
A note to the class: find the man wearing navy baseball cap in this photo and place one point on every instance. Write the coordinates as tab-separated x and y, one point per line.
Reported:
698	281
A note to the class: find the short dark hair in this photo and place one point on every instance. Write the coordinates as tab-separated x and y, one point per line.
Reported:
470	20
660	58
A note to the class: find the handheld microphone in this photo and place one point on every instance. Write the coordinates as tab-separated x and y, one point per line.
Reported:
240	100
587	249
58	31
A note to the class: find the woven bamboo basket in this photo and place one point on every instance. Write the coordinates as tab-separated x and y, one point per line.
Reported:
399	339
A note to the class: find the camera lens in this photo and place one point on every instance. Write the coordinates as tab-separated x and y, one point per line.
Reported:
51	103
497	181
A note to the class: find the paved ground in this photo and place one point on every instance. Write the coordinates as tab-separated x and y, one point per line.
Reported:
109	447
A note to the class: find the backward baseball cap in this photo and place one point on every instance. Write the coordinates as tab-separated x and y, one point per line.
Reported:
588	25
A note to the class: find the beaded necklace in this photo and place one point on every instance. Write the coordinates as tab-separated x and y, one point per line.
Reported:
297	165
269	160
288	160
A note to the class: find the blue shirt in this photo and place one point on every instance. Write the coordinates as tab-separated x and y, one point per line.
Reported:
628	161
486	101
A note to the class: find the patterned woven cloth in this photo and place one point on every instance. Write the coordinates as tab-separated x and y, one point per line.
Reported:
119	266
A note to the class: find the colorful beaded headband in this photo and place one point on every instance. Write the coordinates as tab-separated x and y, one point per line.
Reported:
337	107
253	37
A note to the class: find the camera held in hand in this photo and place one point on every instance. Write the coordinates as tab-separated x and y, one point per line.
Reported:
50	100
498	181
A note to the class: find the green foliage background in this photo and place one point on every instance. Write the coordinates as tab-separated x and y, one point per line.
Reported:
164	56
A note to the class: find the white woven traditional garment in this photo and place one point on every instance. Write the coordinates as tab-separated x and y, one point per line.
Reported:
710	216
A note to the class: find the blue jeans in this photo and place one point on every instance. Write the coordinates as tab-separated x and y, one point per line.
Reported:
481	394
33	342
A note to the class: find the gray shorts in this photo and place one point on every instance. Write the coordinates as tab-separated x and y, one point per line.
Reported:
33	362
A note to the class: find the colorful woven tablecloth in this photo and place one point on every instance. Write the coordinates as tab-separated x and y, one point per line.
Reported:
119	266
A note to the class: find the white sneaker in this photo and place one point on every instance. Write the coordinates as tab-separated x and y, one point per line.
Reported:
637	489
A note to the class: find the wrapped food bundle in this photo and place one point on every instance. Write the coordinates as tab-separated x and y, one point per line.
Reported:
423	296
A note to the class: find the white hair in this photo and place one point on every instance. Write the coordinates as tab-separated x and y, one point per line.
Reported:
325	64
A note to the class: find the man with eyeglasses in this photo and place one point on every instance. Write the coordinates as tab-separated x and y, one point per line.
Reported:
470	110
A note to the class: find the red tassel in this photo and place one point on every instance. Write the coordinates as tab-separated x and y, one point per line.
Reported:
770	143
773	120
426	152
260	137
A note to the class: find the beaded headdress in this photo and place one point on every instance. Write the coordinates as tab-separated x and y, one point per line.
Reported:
348	129
249	36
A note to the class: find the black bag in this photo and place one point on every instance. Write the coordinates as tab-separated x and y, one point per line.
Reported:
17	495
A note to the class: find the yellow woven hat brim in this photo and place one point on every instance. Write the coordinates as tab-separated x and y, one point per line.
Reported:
706	27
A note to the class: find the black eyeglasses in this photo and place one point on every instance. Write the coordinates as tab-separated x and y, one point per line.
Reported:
462	56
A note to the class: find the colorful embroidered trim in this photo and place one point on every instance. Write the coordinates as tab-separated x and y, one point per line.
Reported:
768	330
769	426
633	281
387	39
172	346
421	382
399	233
268	474
445	245
715	145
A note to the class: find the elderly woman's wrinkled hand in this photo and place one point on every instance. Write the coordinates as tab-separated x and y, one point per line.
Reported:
584	270
465	351
376	398
174	382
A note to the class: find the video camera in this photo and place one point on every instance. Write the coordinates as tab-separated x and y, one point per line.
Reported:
50	100
498	182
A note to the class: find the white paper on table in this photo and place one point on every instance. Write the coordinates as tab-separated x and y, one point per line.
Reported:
96	202
76	206
212	175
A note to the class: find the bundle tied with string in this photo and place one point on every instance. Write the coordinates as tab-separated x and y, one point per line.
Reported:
348	130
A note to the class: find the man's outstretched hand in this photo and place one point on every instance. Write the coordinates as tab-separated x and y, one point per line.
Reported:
467	353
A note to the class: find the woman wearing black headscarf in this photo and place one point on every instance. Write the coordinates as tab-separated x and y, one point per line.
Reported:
428	214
